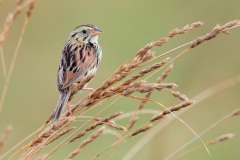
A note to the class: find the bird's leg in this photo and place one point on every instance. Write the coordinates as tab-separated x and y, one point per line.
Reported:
91	90
69	108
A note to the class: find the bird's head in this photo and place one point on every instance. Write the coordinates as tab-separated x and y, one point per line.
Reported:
86	33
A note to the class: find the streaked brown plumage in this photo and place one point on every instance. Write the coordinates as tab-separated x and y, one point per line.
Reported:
80	57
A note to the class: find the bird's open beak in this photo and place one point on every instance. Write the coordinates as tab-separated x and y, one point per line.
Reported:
96	31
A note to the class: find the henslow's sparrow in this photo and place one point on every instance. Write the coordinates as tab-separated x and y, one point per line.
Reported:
80	58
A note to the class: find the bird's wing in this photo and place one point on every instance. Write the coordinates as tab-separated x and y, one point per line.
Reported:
75	63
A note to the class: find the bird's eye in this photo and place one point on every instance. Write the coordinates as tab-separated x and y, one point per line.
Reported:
84	31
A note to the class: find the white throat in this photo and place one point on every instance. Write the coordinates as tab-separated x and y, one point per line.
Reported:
94	40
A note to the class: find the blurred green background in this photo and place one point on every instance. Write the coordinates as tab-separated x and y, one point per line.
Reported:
127	26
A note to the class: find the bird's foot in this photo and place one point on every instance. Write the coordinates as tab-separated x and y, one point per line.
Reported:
69	108
91	90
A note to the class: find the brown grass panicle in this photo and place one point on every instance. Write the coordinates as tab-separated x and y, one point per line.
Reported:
4	136
91	138
122	83
216	30
12	16
51	130
170	110
221	138
236	112
144	55
42	139
94	125
61	134
133	118
29	4
211	126
179	95
142	129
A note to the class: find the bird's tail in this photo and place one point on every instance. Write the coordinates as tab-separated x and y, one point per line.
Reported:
62	102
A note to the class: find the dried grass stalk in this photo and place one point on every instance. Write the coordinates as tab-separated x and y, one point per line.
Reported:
179	95
145	71
221	138
12	16
145	87
38	143
61	134
236	112
165	74
132	122
52	130
143	112
147	96
81	134
142	129
112	132
116	126
4	136
86	142
3	36
101	121
9	22
93	126
216	30
144	55
177	31
171	109
137	87
41	157
31	4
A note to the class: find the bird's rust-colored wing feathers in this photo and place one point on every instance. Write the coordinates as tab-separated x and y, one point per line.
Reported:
75	62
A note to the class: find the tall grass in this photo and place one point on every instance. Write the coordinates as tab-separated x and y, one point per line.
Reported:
130	80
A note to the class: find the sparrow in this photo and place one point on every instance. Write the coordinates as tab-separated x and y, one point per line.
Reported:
80	58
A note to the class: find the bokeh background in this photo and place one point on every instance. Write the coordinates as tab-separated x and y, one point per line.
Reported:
127	26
